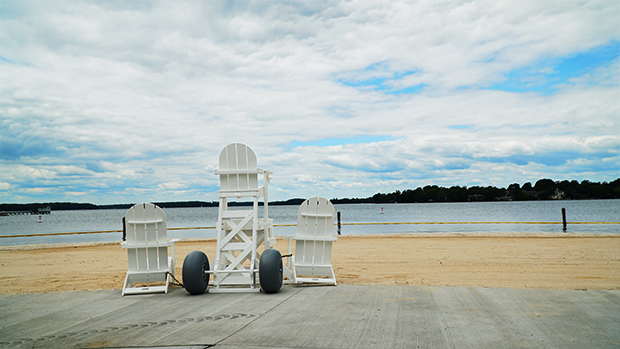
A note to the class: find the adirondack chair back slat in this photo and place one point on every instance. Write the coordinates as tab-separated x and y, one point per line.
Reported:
131	238
151	237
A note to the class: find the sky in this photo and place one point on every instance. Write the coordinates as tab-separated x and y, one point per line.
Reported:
122	102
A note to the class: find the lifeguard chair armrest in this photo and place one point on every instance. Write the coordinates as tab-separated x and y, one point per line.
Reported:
242	193
257	171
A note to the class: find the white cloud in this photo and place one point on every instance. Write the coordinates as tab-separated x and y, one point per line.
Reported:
115	99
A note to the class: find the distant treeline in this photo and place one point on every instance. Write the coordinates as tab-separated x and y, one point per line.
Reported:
60	206
543	189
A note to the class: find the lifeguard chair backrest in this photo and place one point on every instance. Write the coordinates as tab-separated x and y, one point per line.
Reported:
239	159
145	225
315	218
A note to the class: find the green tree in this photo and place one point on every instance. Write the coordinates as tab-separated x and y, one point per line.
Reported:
544	184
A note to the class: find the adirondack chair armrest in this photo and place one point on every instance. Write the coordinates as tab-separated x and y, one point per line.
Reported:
312	238
290	243
171	244
146	222
124	244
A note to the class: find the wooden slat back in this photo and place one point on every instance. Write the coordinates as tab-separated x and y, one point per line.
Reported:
162	238
242	164
151	232
315	218
238	156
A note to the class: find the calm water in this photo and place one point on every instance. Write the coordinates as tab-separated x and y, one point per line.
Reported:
524	211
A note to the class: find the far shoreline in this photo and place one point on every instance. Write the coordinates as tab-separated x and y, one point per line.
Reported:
76	206
558	235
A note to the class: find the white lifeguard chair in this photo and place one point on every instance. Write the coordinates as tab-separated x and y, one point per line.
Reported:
238	267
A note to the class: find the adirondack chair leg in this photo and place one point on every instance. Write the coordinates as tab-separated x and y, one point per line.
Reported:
288	269
171	261
126	285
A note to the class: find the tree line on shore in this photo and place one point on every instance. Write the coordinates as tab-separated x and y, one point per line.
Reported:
543	189
65	206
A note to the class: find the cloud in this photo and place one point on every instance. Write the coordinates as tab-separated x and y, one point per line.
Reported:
124	102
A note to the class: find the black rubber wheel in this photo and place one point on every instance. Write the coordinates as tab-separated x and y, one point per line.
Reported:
270	271
195	279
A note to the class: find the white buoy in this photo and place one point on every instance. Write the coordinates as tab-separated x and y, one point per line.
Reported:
40	219
381	210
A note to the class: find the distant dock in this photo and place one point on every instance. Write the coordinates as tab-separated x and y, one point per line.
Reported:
34	211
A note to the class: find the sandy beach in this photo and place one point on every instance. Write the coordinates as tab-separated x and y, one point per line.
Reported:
538	261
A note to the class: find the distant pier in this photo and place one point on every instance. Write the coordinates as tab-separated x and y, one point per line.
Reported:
35	211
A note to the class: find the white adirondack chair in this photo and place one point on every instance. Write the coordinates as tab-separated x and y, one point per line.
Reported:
147	249
313	244
240	231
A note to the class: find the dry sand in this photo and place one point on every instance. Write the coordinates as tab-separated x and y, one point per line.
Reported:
541	261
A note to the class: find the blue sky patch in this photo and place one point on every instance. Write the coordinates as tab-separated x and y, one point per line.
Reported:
326	142
14	149
461	127
547	75
370	168
558	158
408	90
379	77
6	60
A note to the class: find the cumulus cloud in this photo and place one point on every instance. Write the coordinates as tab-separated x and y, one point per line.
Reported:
126	102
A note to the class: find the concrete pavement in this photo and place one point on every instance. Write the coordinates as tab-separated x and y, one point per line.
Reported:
344	316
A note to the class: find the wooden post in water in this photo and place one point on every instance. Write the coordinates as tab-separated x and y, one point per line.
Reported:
338	214
124	231
564	219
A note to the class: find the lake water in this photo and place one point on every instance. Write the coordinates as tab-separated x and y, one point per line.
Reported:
521	211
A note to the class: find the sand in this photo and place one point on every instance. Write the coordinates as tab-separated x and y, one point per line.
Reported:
539	261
